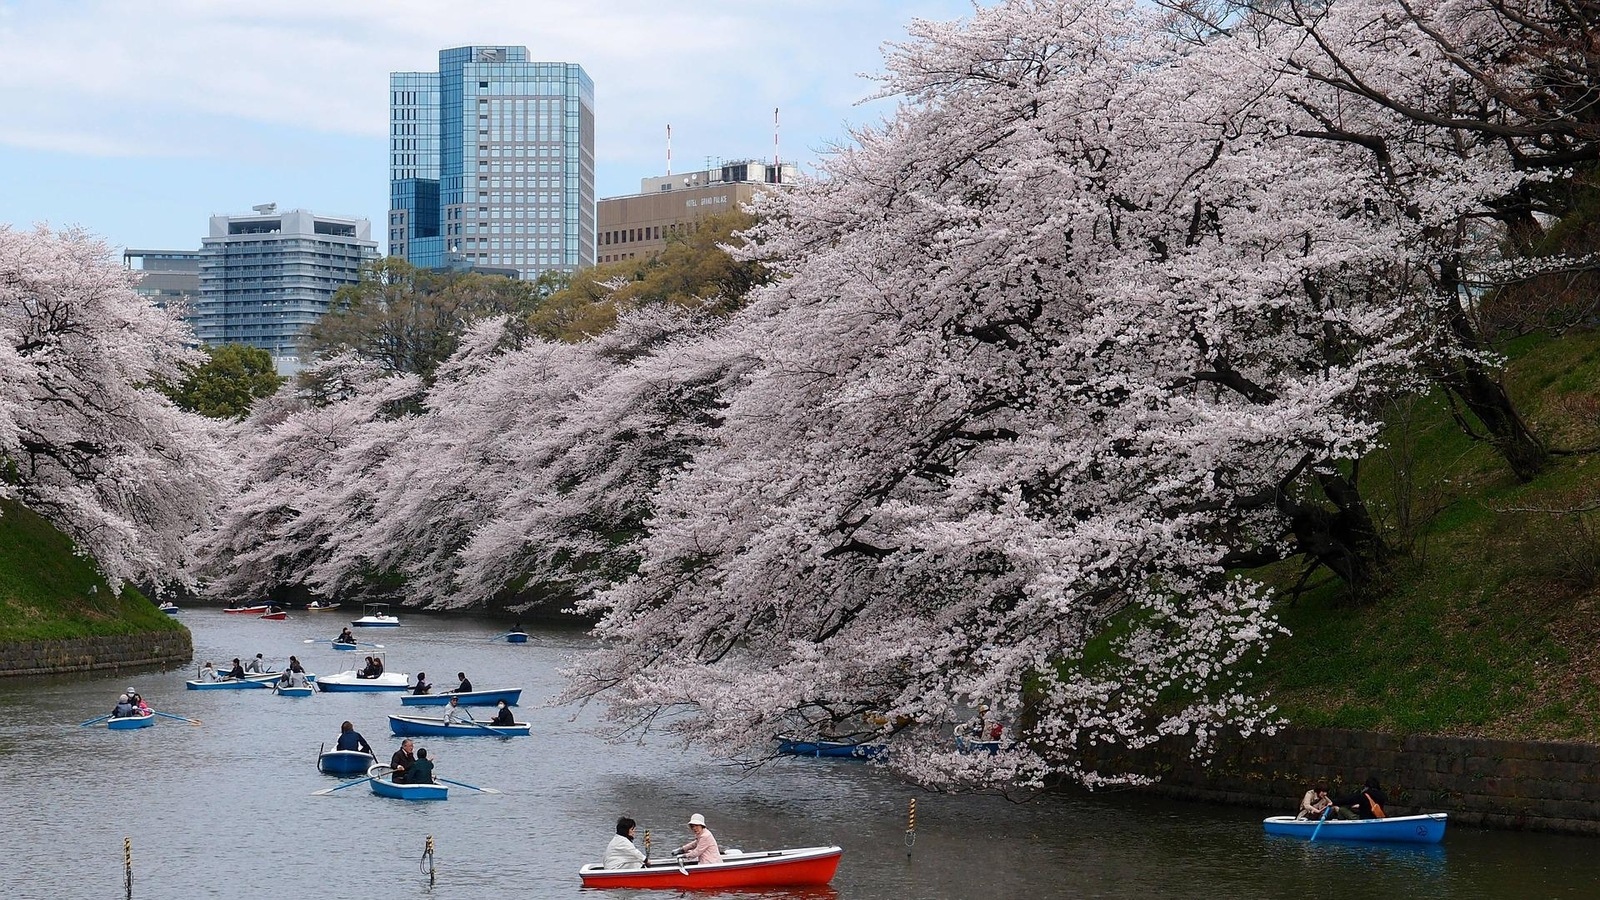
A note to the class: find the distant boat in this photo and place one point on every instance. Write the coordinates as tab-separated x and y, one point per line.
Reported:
277	615
344	762
319	606
247	610
793	746
516	637
1424	829
341	645
802	867
421	726
466	698
302	690
377	615
347	682
169	608
128	722
262	680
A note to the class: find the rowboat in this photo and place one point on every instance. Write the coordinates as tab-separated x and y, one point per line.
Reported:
276	615
968	745
344	762
262	680
247	610
303	690
127	722
384	786
802	867
516	637
319	606
169	608
1424	829
421	726
341	645
377	615
833	749
467	698
347	682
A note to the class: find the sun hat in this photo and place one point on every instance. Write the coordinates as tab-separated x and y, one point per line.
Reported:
697	819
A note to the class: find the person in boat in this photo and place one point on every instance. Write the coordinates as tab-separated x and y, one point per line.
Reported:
345	637
370	670
1366	803
294	665
621	853
1314	803
208	672
258	666
238	669
503	716
402	761
351	739
422	770
455	713
377	665
703	849
139	706
465	687
422	686
123	709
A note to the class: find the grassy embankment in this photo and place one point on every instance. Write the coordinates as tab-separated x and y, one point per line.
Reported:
1493	627
49	593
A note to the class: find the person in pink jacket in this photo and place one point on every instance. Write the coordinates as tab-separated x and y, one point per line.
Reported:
703	849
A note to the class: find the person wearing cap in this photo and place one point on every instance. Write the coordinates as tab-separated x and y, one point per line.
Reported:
621	853
456	713
703	849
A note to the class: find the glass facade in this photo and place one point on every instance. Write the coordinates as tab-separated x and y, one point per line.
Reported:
492	163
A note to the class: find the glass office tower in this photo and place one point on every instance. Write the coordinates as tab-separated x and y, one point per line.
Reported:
491	163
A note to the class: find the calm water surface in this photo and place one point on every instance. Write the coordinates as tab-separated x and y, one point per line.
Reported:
225	809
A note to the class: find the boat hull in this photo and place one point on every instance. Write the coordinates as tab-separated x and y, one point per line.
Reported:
376	622
322	608
128	723
302	691
341	645
234	684
1423	829
829	749
383	787
274	616
169	609
517	637
417	726
246	610
804	867
344	762
468	698
347	682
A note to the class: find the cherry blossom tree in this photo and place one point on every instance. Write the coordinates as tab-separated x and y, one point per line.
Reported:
85	440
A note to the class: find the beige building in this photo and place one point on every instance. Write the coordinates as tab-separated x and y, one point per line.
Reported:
638	226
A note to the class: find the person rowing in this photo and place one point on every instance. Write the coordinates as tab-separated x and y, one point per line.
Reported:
345	637
703	849
455	713
238	669
351	739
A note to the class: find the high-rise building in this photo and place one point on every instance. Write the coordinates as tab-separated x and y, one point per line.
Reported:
639	225
267	276
167	277
491	163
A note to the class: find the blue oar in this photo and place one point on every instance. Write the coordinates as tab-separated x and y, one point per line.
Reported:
1319	823
94	720
501	637
470	787
347	784
499	734
179	718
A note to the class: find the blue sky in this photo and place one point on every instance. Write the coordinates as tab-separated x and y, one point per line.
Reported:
139	119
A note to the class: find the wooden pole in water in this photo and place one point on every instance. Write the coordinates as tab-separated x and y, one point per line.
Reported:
427	857
911	827
127	865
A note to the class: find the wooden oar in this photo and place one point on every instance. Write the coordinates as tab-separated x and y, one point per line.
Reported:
341	787
94	720
472	787
179	718
1325	811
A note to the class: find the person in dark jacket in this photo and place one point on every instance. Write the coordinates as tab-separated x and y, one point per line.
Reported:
351	739
465	687
238	669
1367	803
402	761
503	715
422	686
421	770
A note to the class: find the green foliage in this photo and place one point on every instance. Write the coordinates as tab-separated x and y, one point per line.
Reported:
47	592
410	320
693	272
228	383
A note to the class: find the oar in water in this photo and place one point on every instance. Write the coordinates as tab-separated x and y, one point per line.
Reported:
347	784
1324	818
179	718
470	787
94	720
501	637
499	734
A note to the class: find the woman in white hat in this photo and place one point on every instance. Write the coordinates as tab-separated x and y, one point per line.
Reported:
703	849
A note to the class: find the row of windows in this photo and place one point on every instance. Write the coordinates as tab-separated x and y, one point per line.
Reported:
647	233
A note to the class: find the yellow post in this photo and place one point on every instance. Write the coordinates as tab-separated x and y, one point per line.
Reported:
911	826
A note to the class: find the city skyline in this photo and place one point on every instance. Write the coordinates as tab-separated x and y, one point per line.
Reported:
138	121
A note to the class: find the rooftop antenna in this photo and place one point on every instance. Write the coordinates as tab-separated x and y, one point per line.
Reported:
777	169
266	209
669	149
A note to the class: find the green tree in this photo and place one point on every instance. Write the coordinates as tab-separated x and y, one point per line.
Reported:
409	319
228	383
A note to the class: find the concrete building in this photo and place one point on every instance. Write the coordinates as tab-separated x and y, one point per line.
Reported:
266	276
491	162
168	277
639	225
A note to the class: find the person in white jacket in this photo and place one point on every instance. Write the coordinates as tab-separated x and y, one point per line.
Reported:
621	853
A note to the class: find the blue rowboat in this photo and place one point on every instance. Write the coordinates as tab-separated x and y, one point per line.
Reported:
468	698
170	609
234	684
968	745
419	726
831	749
304	690
344	762
341	645
127	722
383	787
347	682
1423	829
517	637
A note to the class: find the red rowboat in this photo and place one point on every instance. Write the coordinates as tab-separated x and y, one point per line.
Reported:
253	610
803	867
279	615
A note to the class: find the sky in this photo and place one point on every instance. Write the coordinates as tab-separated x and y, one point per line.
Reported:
137	120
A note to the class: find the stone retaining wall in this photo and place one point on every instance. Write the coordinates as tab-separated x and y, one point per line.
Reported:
109	654
1532	785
